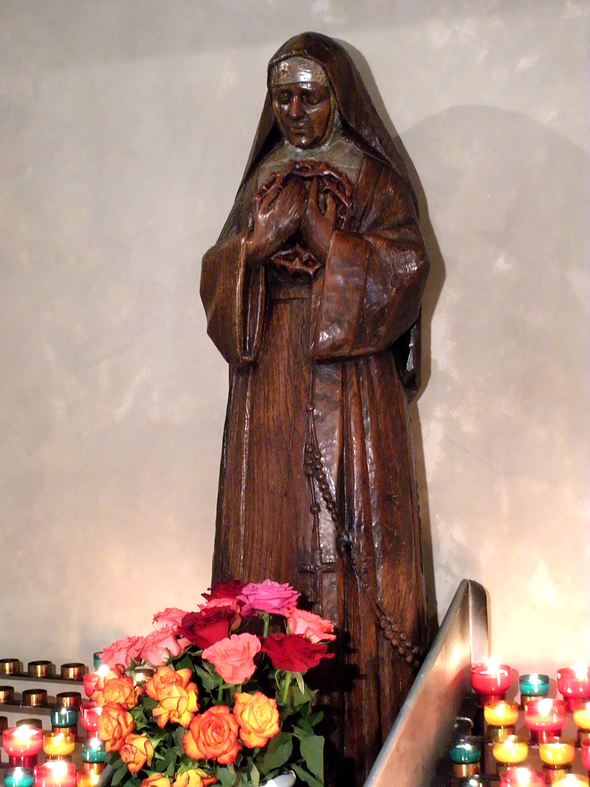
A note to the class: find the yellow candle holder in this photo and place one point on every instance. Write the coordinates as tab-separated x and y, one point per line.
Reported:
58	745
571	780
556	754
511	750
501	718
581	715
557	751
87	779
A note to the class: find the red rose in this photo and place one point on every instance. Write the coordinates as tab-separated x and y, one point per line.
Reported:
294	652
229	590
208	626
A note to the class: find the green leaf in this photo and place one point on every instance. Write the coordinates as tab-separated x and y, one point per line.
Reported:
278	751
209	680
119	774
305	776
225	777
312	750
300	683
255	776
315	718
183	663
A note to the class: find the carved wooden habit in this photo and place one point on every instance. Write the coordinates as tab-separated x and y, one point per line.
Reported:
317	482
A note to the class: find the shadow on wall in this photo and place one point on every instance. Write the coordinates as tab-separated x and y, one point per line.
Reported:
506	409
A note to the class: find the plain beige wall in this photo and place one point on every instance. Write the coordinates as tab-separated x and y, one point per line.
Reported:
125	127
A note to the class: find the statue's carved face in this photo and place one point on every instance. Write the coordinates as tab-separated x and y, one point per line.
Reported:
303	111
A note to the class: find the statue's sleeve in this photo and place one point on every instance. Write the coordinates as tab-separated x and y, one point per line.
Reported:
370	290
233	297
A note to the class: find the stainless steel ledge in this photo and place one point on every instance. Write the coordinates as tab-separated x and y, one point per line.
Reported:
421	732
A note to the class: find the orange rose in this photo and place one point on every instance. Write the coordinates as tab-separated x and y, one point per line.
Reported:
156	780
136	752
114	724
195	777
179	707
117	690
166	680
258	718
104	676
212	735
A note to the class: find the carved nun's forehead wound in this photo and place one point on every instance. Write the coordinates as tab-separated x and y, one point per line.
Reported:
298	70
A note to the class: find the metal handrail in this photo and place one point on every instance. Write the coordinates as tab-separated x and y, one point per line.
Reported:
421	732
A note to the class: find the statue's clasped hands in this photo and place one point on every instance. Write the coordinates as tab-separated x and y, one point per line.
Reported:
281	215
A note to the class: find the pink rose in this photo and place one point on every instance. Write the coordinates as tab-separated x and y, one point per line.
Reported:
311	626
268	596
122	651
161	645
233	657
171	616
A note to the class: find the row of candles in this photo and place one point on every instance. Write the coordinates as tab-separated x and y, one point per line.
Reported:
544	717
24	742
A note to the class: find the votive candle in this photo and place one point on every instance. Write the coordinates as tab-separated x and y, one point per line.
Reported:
557	751
94	750
59	773
545	717
89	713
64	717
491	681
533	685
510	750
585	750
22	744
501	713
581	714
58	744
18	777
574	682
522	777
571	780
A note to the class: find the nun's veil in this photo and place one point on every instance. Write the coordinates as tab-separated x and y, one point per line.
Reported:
359	117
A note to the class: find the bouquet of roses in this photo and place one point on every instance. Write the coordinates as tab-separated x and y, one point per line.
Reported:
217	695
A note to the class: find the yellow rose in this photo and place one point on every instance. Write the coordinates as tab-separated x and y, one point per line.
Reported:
156	780
195	777
257	716
179	707
115	723
136	752
166	681
119	690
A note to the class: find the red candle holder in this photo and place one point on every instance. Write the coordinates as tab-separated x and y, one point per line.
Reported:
57	773
89	713
574	683
585	750
22	744
490	681
522	777
545	718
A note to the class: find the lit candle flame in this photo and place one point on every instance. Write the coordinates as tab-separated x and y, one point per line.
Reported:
580	670
545	707
103	671
24	733
493	664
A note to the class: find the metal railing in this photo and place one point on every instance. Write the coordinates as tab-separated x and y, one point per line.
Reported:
421	732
